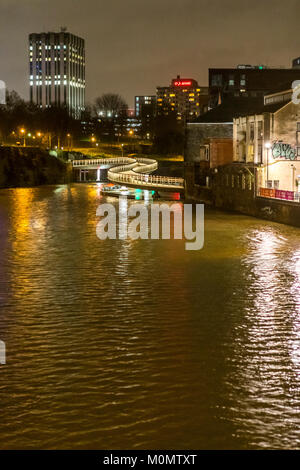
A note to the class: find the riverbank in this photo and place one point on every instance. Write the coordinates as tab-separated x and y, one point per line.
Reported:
29	166
233	188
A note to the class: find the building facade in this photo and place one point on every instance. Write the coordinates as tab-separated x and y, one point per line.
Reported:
57	71
144	102
247	81
184	97
270	140
145	112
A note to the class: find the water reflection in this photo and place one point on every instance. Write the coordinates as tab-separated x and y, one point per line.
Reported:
266	352
140	344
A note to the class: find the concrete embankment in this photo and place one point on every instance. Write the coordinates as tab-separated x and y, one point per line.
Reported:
233	188
29	166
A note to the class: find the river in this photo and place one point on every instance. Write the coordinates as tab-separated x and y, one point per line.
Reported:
123	344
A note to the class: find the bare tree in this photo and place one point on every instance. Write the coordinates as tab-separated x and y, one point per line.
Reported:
110	105
111	111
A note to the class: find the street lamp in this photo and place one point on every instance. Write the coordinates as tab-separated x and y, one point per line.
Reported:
69	141
122	145
22	130
268	145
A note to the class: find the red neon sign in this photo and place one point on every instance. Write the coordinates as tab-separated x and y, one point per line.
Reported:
182	83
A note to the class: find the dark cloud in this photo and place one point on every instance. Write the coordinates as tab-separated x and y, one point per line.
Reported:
134	45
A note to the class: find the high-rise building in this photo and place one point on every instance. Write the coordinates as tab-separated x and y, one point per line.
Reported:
247	81
145	111
184	97
57	70
148	102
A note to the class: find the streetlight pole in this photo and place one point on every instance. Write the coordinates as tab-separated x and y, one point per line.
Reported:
267	146
24	136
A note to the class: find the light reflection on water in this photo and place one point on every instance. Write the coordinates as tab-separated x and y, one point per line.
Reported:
141	344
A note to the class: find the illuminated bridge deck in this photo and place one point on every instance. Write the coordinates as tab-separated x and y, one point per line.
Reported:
133	172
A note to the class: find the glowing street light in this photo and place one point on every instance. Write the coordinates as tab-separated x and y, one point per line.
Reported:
22	131
69	141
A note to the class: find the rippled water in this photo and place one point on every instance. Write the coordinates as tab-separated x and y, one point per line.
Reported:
141	344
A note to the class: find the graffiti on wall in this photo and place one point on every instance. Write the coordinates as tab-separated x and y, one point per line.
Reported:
284	151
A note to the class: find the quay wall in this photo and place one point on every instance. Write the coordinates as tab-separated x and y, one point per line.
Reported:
233	188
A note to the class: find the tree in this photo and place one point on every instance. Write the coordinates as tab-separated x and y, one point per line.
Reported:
111	111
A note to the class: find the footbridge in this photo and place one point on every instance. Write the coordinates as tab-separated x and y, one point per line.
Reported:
132	172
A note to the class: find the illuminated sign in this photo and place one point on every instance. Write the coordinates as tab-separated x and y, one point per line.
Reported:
284	151
182	83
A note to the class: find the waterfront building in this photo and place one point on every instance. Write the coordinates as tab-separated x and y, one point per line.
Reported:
214	131
57	70
247	81
184	97
270	139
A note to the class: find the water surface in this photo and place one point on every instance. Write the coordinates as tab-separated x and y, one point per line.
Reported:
141	344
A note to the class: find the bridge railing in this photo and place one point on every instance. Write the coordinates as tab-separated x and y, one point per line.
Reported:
132	171
146	165
120	169
102	161
145	179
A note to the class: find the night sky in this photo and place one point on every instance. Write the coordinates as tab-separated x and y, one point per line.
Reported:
134	45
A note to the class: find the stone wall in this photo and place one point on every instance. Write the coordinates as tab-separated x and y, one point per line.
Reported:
198	133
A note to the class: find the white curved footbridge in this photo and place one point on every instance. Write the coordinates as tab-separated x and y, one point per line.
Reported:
132	172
